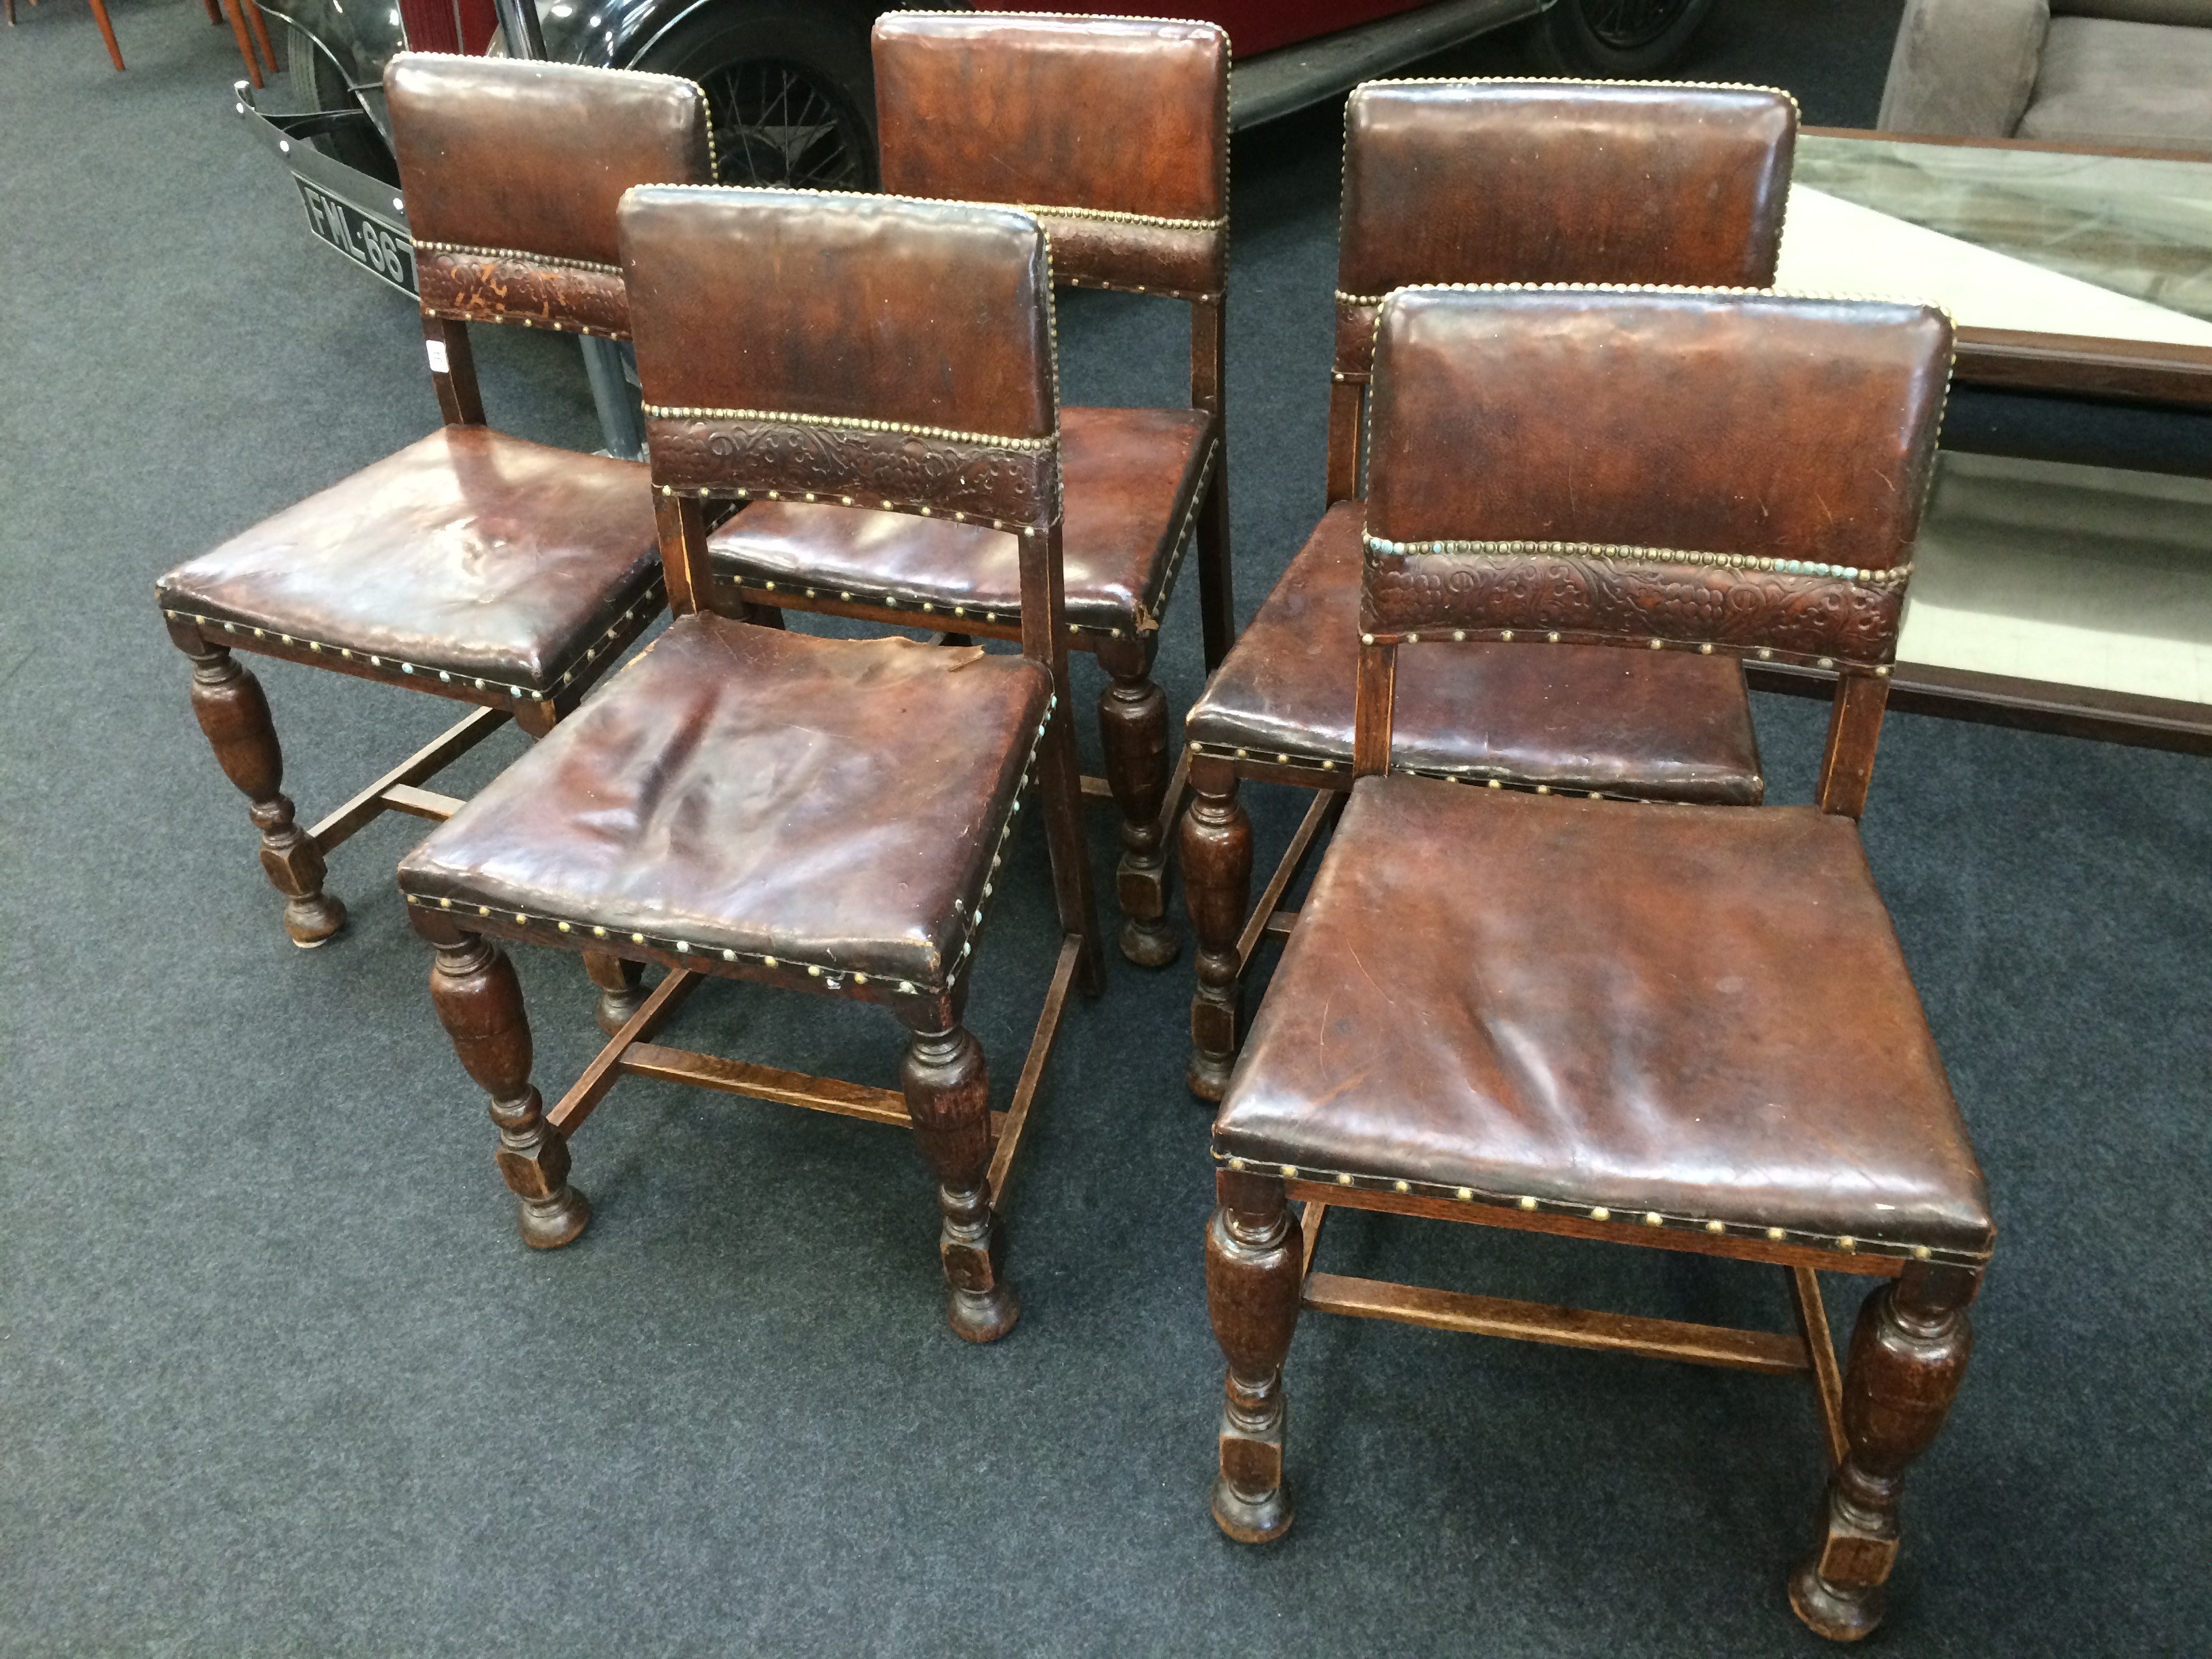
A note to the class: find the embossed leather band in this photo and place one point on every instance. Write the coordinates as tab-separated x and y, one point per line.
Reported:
1589	600
1005	486
474	288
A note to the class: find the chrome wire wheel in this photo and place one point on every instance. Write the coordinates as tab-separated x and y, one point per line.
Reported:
775	122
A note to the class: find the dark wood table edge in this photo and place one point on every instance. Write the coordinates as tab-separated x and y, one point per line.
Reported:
2080	365
2073	711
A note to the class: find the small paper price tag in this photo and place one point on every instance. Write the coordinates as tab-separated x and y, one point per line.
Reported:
437	350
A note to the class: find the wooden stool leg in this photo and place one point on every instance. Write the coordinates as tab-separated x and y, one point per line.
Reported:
228	702
107	32
1908	1354
1217	605
1217	876
234	9
480	1004
1132	720
622	989
260	33
948	1096
1255	1264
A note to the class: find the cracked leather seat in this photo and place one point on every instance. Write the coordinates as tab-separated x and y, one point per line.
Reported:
469	554
1131	478
1669	727
743	794
1586	1007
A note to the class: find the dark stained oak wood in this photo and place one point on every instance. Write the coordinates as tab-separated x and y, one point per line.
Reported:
1267	921
1254	1263
1768	1352
1217	869
1132	724
621	989
228	702
1827	1377
427	761
1909	1353
948	1096
606	1068
1007	1131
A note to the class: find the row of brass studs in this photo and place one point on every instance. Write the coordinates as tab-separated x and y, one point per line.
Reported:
1845	1242
787	417
1764	653
647	603
834	977
1310	763
1619	554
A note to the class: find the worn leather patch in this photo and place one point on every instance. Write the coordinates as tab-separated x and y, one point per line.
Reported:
904	470
488	287
1183	259
1601	599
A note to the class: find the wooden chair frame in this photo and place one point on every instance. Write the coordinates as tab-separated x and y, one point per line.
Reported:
1133	711
1908	1353
233	711
1215	834
945	1094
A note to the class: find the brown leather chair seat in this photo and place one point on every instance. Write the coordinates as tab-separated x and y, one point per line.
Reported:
470	555
742	793
1130	478
1622	1011
1667	726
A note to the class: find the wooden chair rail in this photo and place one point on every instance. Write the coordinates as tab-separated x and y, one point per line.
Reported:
631	1052
396	791
1810	1352
1266	920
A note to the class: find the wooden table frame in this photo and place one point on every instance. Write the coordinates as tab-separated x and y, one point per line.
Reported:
2166	375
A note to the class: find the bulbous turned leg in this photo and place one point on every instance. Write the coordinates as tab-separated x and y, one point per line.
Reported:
1908	1354
1217	878
1132	722
622	989
1254	1263
480	1004
948	1096
228	702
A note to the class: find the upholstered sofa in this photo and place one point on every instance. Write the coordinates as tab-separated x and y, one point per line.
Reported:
2131	73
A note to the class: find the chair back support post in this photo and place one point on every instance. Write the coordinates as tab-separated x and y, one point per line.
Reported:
511	171
1741	472
1517	180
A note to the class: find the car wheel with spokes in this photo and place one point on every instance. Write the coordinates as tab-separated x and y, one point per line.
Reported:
790	91
1614	38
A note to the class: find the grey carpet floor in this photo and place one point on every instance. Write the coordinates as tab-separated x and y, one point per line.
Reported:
276	1375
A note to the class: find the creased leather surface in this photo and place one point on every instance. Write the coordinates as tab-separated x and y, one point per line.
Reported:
1535	181
1671	726
1130	474
1757	427
852	307
469	550
946	475
1597	600
470	287
1648	1007
502	154
1043	111
827	801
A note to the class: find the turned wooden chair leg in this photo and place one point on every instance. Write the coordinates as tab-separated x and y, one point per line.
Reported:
1908	1354
1254	1263
228	702
107	32
622	989
1216	839
948	1096
480	1004
1132	721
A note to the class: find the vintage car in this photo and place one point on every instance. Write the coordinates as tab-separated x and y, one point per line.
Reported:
791	89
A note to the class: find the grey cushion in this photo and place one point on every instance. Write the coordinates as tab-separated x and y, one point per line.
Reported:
1963	68
2144	85
2188	13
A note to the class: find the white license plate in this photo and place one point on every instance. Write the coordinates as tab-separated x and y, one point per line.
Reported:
376	248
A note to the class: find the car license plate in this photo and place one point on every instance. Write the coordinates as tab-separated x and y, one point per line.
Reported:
377	248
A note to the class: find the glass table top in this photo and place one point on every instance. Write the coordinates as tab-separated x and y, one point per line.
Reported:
2037	240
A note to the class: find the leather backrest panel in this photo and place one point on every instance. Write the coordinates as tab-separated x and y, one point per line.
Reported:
502	154
1557	182
1116	117
845	344
1783	443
